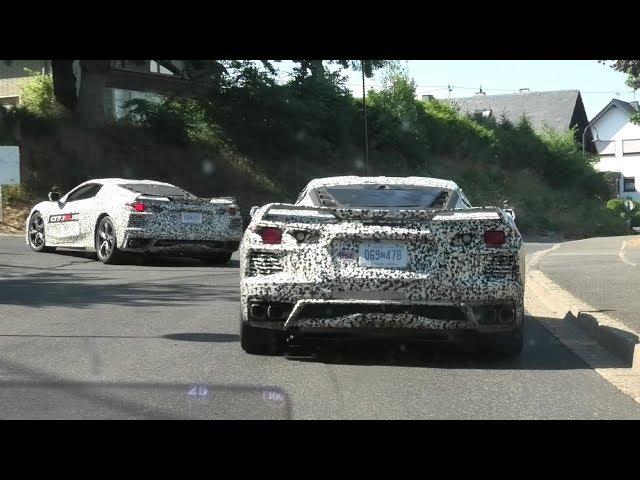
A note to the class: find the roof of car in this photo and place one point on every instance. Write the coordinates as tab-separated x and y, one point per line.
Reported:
115	181
357	180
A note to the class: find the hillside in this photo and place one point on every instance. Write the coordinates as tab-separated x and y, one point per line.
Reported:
262	142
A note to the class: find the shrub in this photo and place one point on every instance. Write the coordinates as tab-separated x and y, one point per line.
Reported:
37	95
15	193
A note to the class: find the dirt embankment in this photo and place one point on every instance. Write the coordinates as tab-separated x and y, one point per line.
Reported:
14	217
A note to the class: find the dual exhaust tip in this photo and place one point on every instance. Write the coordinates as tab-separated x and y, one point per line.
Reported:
495	315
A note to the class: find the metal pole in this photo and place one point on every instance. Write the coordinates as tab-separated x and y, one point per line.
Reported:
1	217
364	111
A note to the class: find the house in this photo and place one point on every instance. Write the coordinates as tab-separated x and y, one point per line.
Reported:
125	80
560	110
13	75
617	142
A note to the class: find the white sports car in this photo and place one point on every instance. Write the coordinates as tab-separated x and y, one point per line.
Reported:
112	215
381	255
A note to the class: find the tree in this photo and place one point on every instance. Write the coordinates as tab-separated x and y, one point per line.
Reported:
632	69
316	67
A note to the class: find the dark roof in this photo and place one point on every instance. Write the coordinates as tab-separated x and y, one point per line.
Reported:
555	109
627	106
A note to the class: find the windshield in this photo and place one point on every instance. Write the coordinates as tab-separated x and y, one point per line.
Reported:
157	190
383	197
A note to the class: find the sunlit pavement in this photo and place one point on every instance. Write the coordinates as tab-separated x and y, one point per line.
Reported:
602	273
79	339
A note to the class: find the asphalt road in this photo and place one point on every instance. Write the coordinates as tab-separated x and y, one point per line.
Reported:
79	339
594	271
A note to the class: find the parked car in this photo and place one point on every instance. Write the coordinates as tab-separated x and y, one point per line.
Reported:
403	256
110	216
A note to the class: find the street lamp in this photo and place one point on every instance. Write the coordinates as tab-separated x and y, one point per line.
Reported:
584	137
364	111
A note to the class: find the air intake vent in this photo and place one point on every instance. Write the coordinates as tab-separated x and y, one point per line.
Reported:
264	263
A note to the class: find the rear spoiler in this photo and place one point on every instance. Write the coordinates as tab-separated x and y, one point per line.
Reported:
284	211
223	200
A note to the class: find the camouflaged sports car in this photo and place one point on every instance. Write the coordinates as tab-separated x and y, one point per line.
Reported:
405	256
114	215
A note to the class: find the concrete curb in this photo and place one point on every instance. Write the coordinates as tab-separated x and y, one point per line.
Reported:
608	332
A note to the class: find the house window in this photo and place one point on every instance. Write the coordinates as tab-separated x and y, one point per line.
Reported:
630	146
629	184
605	147
8	102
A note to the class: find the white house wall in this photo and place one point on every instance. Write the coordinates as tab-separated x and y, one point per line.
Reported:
615	135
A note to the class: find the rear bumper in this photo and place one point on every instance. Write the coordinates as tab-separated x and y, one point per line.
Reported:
138	241
361	316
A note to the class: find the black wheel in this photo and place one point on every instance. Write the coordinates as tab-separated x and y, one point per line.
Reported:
504	345
219	258
106	243
260	341
36	234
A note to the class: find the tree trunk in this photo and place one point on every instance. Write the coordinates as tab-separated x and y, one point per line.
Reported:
64	83
90	108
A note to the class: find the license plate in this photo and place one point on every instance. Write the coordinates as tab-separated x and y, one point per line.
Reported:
390	255
190	217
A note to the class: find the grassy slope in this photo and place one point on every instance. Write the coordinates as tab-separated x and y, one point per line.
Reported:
64	155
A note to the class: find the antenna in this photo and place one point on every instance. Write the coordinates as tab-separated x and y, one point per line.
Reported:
480	92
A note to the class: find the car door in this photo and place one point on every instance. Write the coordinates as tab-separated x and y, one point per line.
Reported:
68	224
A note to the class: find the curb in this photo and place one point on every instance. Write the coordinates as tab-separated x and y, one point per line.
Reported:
608	332
612	335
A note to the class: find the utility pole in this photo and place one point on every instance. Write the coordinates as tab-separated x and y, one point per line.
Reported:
364	111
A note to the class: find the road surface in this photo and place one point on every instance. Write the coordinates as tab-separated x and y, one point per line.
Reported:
79	339
600	272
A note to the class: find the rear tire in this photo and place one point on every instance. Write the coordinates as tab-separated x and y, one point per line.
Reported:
260	341
106	242
36	234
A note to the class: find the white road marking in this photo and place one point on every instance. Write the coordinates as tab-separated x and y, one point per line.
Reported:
622	257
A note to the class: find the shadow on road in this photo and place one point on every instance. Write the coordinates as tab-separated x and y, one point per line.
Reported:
154	260
541	352
80	290
203	337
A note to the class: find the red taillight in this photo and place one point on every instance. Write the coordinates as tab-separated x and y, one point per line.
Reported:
494	238
137	206
232	210
271	236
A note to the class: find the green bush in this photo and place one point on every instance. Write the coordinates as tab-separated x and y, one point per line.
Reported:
37	95
15	193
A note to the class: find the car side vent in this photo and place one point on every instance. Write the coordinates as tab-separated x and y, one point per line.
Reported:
264	263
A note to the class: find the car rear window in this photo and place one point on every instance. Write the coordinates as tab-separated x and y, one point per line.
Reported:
157	190
383	196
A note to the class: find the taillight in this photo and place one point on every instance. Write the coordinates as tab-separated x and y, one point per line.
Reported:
232	210
137	206
271	236
494	238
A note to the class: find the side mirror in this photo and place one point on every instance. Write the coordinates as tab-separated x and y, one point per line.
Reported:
54	196
253	210
511	212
